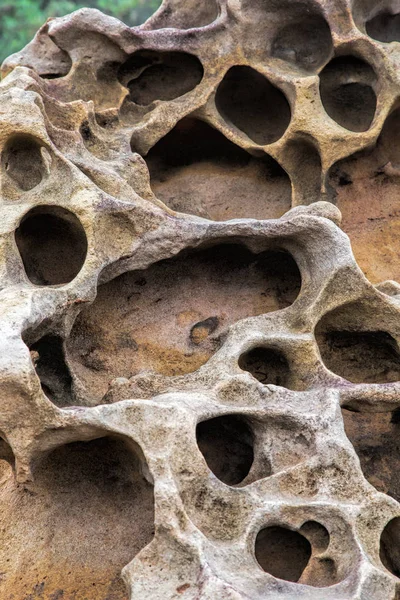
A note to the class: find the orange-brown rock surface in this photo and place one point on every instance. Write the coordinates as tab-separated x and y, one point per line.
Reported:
199	314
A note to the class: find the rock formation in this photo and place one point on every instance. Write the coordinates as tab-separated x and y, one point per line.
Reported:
199	380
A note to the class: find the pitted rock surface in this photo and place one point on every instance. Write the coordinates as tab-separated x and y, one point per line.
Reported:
199	380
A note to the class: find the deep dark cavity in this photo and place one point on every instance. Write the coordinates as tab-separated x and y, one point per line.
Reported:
74	484
23	162
306	42
171	317
376	439
226	443
52	244
389	551
384	27
267	365
48	358
360	356
282	552
150	75
195	169
347	92
255	106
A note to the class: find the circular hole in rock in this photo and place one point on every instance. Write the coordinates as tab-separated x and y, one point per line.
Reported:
346	88
385	26
91	512
267	365
282	552
22	161
316	534
150	75
52	244
255	106
305	42
389	550
226	443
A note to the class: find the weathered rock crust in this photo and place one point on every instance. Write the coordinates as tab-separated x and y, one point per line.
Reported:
179	419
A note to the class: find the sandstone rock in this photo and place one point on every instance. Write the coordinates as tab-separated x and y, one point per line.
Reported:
199	380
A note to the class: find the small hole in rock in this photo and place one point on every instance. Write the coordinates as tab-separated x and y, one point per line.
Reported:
48	358
347	92
226	443
376	440
151	75
282	552
305	42
170	317
384	27
317	535
52	244
267	365
255	106
22	161
195	169
91	512
390	546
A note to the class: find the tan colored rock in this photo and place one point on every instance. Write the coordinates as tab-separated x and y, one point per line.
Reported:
199	383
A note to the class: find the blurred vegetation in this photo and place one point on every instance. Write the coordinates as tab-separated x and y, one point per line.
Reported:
20	19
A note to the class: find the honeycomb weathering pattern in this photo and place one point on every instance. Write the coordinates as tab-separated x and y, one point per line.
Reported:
199	384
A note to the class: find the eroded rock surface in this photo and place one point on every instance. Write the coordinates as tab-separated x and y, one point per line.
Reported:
200	382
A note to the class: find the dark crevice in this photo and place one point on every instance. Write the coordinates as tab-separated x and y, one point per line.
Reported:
195	169
347	92
255	106
150	75
226	443
52	244
49	360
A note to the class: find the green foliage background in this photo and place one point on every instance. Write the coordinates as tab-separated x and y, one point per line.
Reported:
20	19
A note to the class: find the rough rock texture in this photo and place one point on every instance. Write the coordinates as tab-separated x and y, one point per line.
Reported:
199	384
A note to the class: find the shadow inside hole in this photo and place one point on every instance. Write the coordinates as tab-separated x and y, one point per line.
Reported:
282	552
389	550
306	42
171	317
317	535
255	106
48	358
267	365
360	356
150	75
52	244
226	443
346	88
376	440
91	513
384	27
195	169
22	161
